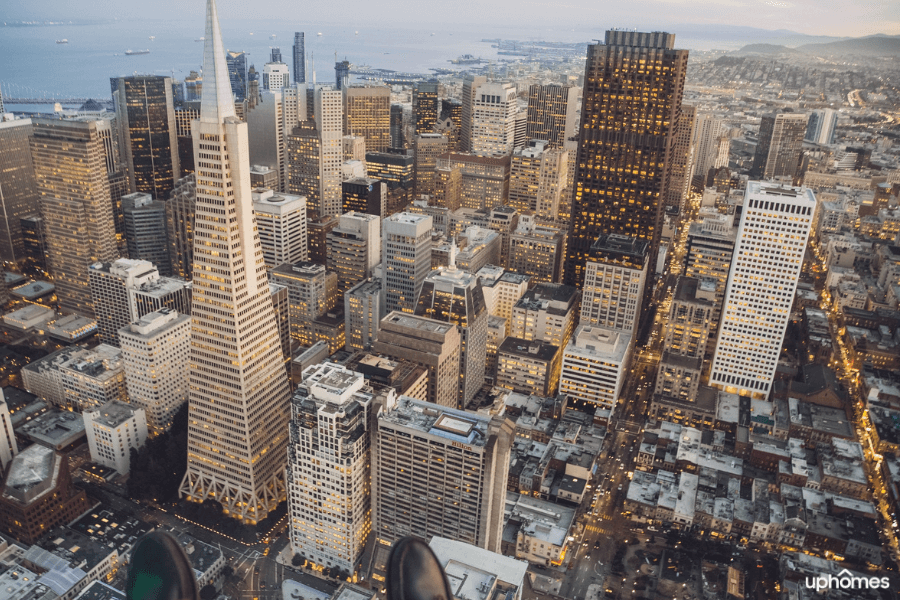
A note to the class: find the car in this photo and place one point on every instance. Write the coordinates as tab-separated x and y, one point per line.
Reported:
262	585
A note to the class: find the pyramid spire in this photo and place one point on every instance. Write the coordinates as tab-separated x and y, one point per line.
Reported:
217	98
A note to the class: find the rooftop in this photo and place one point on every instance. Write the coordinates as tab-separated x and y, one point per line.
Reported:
448	423
112	414
33	290
54	428
534	349
475	583
416	322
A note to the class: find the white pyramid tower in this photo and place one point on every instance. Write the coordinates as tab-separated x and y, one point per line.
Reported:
238	409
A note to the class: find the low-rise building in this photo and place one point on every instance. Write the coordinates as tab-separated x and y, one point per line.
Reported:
112	431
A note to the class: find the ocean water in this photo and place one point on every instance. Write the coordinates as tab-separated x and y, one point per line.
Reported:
34	65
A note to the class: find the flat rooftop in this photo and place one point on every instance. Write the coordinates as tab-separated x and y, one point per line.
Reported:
112	414
449	423
416	322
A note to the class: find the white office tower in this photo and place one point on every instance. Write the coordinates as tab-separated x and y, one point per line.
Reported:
328	472
537	177
614	278
438	471
156	357
502	289
239	389
329	122
494	111
112	431
354	248
406	244
275	75
281	223
594	365
707	131
768	256
820	127
362	314
8	446
455	296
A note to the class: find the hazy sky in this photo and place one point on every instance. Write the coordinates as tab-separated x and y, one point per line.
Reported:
813	17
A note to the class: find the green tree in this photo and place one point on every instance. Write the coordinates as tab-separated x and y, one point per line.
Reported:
208	592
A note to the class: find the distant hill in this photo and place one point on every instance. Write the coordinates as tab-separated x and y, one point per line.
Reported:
765	49
873	45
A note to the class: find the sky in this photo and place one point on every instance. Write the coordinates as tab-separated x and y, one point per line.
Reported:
841	18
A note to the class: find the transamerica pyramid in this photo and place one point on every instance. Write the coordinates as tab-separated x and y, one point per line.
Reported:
238	405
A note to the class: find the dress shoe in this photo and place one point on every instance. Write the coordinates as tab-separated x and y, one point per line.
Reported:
160	570
414	573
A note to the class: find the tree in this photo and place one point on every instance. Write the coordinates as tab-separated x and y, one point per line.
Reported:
208	592
298	560
228	571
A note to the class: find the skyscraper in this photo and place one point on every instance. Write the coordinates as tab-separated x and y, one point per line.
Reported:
615	277
145	114
633	85
180	226
341	74
425	106
282	226
455	296
429	148
304	158
145	230
707	130
367	113
678	178
470	83
18	194
275	54
77	209
779	146
362	314
820	129
237	75
328	474
239	389
768	256
494	110
354	248
552	113
299	58
275	76
538	174
329	122
406	258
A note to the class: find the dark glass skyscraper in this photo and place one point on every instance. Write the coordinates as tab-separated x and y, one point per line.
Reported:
145	114
275	54
237	73
341	73
633	85
299	58
425	106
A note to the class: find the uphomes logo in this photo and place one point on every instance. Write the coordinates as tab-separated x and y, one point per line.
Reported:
845	580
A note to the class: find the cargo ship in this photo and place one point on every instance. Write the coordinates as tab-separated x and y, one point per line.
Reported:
133	52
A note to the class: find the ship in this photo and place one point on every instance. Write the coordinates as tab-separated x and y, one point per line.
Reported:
152	37
468	59
272	37
62	41
133	52
200	39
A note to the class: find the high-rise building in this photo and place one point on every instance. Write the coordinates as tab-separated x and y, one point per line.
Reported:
281	223
329	466
546	312
109	286
145	230
266	128
299	57
397	138
112	431
633	85
406	258
552	113
33	242
429	148
528	366
341	74
365	195
19	197
354	148
319	229
275	76
145	114
312	292
304	154
367	113
485	179
538	175
451	110
239	387
470	84
180	210
425	106
156	357
502	290
395	170
457	490
538	251
710	247
77	210
275	54
768	255
185	114
354	248
594	365
679	177
237	74
362	314
454	296
329	117
779	146
820	129
434	345
615	277
494	119
707	130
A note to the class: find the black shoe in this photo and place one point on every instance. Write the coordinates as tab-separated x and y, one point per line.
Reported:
414	573
160	570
